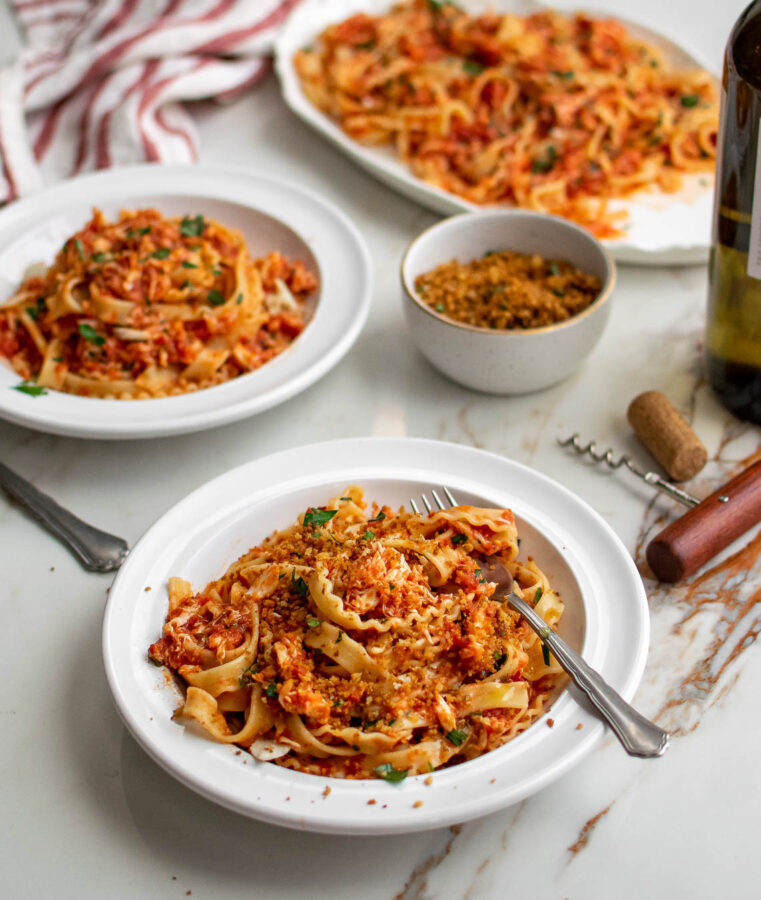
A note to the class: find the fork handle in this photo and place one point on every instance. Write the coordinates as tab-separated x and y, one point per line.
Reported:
639	736
97	550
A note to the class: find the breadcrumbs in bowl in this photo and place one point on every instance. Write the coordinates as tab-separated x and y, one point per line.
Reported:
506	301
505	290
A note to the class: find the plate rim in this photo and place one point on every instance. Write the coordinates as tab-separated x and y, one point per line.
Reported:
148	178
443	202
119	619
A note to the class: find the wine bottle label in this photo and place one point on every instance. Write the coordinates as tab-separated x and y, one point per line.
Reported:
754	248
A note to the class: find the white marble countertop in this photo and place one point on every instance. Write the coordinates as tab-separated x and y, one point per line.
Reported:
85	813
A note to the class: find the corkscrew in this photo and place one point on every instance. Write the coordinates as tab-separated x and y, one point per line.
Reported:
705	529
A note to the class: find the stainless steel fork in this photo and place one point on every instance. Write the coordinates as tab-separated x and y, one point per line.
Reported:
638	735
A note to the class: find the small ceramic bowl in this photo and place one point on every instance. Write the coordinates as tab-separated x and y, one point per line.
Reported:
515	361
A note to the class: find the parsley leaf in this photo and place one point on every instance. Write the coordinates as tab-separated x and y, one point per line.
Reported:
566	75
188	265
239	299
388	773
459	539
31	388
192	227
319	516
80	250
544	165
299	584
138	232
161	253
538	595
379	518
546	654
457	736
368	535
690	100
271	690
312	622
472	67
338	702
344	498
100	257
90	334
554	269
216	298
34	312
499	659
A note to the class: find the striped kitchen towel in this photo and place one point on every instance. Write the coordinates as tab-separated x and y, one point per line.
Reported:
101	83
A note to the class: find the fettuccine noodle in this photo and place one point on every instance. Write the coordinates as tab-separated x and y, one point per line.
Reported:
552	113
364	645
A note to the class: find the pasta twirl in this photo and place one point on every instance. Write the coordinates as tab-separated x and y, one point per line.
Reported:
151	306
360	644
549	112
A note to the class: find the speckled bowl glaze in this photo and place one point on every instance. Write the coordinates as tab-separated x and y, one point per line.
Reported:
506	362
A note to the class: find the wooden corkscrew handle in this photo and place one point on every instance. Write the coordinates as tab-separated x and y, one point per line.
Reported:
684	545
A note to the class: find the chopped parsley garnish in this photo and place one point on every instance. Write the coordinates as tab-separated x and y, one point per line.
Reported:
366	45
567	75
690	100
379	518
80	250
161	253
499	659
319	516
216	298
479	577
100	257
554	269
299	584
271	690
90	334
138	232
368	535
315	534
188	265
239	299
538	595
457	736
192	227
312	622
339	638
391	586
31	388
338	702
247	677
546	654
345	498
430	766
459	539
387	772
472	67
440	308
34	312
544	165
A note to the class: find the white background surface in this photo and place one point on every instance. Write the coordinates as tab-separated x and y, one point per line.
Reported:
84	812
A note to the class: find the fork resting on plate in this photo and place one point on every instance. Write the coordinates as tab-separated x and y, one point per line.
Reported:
639	736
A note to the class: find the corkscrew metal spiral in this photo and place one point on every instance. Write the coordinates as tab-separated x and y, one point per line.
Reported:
607	456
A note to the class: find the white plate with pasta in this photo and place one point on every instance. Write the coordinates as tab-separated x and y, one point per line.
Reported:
152	300
517	160
308	717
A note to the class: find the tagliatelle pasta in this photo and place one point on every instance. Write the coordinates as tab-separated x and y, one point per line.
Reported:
550	112
362	645
150	307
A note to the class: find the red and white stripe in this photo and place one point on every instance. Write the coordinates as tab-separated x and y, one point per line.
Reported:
102	82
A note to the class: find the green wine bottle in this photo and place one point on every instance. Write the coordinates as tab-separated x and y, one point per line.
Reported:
733	334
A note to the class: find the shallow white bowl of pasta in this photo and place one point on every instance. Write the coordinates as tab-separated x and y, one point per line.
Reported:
212	527
270	214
